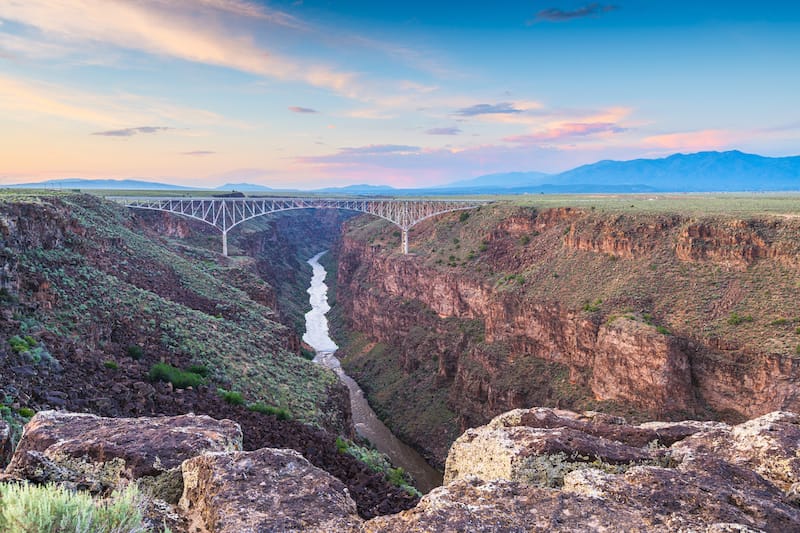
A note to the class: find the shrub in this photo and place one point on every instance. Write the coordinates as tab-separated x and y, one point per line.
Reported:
34	508
341	445
111	365
593	306
525	239
200	370
463	217
305	353
797	349
179	378
662	330
26	412
797	330
278	412
779	322
735	319
20	345
232	397
135	352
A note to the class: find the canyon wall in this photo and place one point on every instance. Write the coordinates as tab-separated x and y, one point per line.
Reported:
647	315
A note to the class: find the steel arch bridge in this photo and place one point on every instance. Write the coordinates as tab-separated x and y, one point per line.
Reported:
227	213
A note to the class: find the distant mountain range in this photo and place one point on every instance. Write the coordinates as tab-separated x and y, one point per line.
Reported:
81	183
698	172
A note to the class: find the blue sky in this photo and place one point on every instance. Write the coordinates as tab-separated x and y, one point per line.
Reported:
315	93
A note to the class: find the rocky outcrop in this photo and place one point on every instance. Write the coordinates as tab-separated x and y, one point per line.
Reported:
264	490
537	469
100	454
534	469
738	243
5	443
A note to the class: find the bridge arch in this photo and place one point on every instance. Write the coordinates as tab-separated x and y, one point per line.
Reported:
227	213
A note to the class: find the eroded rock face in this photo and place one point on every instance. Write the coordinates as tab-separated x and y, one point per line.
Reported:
704	476
98	453
265	490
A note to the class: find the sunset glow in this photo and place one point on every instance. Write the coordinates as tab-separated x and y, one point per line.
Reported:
312	93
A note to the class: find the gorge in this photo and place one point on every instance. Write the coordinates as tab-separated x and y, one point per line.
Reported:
659	314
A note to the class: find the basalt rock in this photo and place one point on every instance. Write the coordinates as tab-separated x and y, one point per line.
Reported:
5	443
264	490
99	454
550	466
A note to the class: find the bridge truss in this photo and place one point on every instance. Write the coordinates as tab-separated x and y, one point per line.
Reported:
227	213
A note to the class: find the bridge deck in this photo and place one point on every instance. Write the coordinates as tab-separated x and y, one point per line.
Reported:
226	213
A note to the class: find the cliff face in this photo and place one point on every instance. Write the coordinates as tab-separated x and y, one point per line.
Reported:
648	314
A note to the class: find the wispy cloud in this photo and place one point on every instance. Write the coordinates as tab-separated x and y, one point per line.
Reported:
380	149
174	29
199	153
695	140
297	109
443	131
130	132
567	131
555	14
503	108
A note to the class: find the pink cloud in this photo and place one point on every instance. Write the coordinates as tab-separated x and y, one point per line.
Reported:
567	131
692	140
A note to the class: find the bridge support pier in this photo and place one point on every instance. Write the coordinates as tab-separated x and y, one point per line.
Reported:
405	241
225	243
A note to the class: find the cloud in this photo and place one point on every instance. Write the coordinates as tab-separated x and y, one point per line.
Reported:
175	29
567	131
297	109
555	14
503	108
130	132
695	140
199	153
443	131
373	149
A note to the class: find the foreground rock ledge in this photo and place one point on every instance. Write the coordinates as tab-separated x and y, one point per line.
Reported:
545	469
88	451
265	490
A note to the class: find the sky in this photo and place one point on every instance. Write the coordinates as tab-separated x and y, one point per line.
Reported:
311	93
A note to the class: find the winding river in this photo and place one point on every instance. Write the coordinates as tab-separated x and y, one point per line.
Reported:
366	422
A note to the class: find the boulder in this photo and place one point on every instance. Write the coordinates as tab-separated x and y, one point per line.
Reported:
99	454
5	443
265	490
697	476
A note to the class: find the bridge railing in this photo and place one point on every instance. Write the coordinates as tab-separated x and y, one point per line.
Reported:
226	213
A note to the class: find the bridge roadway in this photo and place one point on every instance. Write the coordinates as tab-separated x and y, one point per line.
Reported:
227	213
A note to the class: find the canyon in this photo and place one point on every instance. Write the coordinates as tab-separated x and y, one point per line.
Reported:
615	348
649	315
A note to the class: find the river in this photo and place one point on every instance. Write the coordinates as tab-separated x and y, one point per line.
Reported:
367	424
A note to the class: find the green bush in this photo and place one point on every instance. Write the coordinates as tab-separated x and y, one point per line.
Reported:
111	365
735	319
797	330
593	306
779	322
20	345
200	370
26	412
463	216
525	239
232	397
278	412
135	352
662	330
180	379
341	445
797	349
50	508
